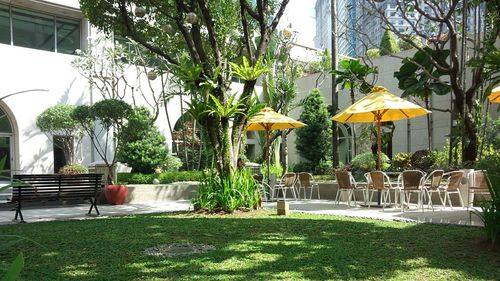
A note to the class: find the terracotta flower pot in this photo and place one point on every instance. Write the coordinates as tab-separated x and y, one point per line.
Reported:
116	194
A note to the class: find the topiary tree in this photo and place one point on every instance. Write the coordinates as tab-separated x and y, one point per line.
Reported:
313	141
112	115
57	121
388	44
143	146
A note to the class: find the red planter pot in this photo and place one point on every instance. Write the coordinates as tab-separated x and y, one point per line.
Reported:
116	194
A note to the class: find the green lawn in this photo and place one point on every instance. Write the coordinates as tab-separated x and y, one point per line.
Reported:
258	246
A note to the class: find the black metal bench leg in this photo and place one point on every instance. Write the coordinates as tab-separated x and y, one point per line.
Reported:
93	204
19	213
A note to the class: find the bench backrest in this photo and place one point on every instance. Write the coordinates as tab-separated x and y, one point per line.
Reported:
46	186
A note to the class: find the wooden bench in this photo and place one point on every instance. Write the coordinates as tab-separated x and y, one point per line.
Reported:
37	188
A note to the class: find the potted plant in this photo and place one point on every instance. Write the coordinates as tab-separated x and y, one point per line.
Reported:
104	121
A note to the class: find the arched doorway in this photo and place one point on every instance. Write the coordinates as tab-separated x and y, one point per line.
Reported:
6	144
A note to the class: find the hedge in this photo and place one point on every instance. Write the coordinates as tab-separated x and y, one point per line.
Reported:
164	178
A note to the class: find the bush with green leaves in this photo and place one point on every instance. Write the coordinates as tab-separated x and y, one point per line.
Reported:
111	115
490	214
423	160
164	178
314	140
401	162
73	169
143	146
172	163
405	45
228	193
57	121
373	53
388	44
367	162
275	169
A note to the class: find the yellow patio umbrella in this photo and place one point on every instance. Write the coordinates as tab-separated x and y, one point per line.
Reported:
495	95
268	119
380	106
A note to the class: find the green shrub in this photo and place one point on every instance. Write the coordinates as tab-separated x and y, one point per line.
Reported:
388	44
367	161
302	167
73	169
401	162
490	164
143	146
490	214
313	141
423	160
164	178
180	176
171	164
373	53
276	169
227	193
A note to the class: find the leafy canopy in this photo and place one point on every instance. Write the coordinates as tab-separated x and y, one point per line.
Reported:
414	78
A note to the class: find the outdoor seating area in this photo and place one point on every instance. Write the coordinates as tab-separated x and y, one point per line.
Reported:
409	190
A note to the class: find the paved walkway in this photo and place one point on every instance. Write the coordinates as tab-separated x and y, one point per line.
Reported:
39	213
79	211
458	215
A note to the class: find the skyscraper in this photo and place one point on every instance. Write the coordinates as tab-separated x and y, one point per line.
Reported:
346	33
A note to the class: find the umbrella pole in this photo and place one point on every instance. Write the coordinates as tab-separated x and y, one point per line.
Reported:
379	151
379	144
268	158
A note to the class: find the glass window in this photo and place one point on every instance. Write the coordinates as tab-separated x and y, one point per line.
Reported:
33	30
4	123
68	36
4	25
59	158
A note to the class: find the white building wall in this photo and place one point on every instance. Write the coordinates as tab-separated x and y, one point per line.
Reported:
409	135
25	69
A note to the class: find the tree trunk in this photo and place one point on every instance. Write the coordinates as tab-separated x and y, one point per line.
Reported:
284	151
335	96
429	126
353	129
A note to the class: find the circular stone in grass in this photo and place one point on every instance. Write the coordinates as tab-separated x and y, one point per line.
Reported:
178	249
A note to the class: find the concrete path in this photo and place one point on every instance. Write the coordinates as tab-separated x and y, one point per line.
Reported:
63	212
40	213
458	215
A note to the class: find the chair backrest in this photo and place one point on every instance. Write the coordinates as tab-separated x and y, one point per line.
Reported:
412	179
454	180
343	179
369	183
378	179
305	179
479	181
435	177
288	179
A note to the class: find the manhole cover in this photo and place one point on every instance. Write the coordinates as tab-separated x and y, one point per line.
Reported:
178	249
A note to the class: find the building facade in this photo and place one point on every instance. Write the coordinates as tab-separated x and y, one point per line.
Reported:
38	42
347	14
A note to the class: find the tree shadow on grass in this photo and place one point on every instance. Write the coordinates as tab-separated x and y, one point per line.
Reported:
263	247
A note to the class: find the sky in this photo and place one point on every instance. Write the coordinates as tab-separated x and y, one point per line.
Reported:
301	15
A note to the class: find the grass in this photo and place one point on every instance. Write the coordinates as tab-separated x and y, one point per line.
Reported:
252	246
